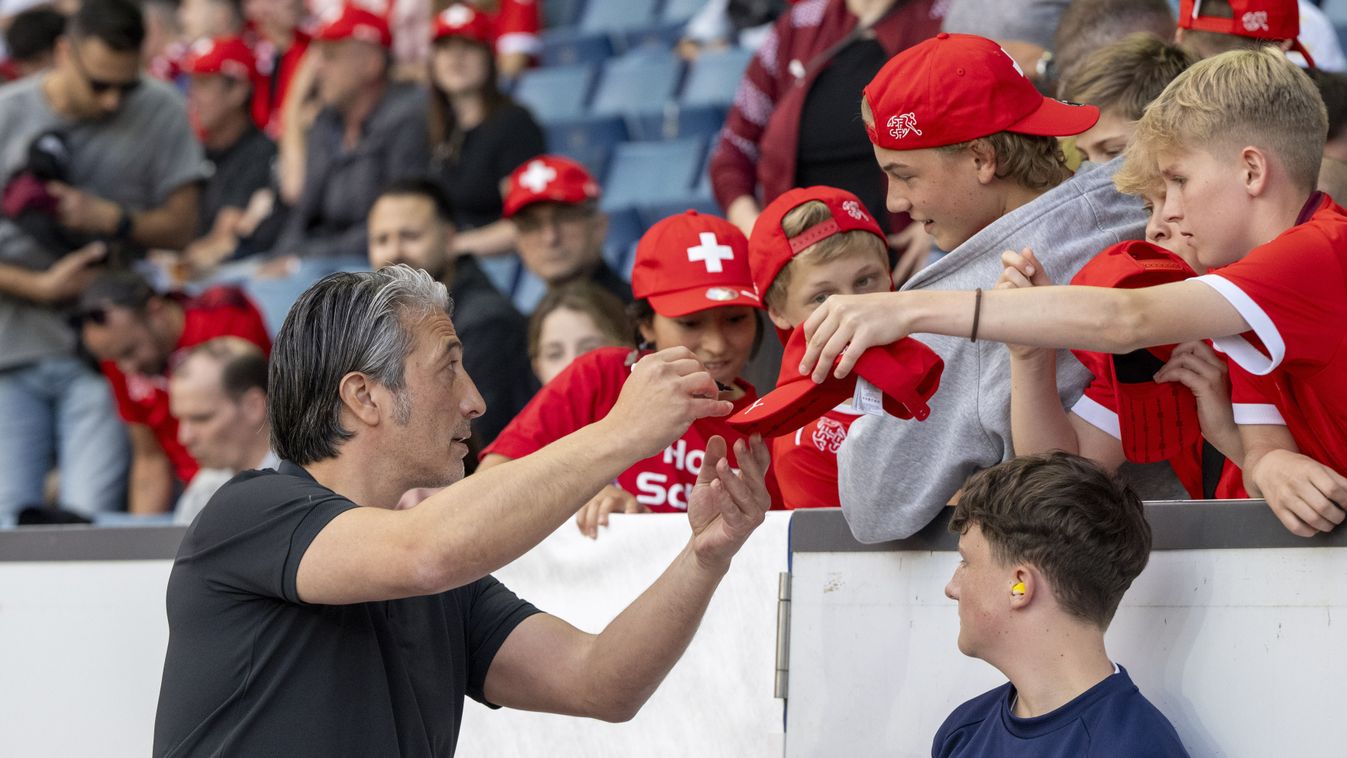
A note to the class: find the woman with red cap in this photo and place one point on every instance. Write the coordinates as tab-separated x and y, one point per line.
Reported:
693	289
478	135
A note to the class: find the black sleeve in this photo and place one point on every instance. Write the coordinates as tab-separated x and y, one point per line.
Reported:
254	174
493	614
520	139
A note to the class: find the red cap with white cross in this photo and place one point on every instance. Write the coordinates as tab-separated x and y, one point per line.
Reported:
692	262
548	178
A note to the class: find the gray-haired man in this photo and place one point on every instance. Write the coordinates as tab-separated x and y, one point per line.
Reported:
308	617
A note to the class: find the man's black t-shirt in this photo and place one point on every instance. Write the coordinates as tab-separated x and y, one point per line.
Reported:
237	172
253	671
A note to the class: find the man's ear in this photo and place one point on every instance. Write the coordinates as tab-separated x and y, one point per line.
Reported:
1254	170
983	156
254	403
359	399
1024	585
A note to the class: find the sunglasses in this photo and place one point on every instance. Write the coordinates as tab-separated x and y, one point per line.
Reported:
101	86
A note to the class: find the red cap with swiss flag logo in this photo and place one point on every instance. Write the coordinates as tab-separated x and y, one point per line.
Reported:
353	22
227	56
549	179
953	88
906	372
1156	421
1256	19
691	262
462	20
769	249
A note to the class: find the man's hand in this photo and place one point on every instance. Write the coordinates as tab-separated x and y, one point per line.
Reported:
1306	496
611	499
1022	270
725	507
68	277
854	323
1196	366
665	393
83	212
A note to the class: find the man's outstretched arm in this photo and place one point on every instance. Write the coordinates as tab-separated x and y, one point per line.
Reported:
548	665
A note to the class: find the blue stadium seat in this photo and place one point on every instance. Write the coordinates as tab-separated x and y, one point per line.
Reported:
714	77
680	11
661	37
624	231
676	122
588	140
555	94
617	15
559	14
636	84
651	214
646	173
564	47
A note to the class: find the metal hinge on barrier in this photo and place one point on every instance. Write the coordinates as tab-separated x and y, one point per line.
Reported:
782	634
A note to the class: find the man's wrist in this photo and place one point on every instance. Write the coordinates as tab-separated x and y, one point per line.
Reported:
714	568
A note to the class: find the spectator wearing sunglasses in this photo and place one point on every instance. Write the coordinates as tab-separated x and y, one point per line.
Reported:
132	167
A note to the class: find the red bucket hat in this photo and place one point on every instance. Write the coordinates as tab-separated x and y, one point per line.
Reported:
769	249
953	88
549	178
227	56
353	22
459	20
690	262
1157	421
906	371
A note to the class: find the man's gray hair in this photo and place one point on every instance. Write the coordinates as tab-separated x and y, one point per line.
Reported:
361	322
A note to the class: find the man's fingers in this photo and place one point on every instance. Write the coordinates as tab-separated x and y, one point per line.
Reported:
698	384
715	453
705	407
737	489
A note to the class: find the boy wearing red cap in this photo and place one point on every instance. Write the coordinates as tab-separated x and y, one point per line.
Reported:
694	290
554	204
967	144
808	244
219	94
1238	140
1212	27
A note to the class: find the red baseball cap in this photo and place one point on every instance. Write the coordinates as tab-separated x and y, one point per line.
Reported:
690	262
1258	19
460	20
1157	421
769	249
353	22
953	88
227	56
549	178
906	371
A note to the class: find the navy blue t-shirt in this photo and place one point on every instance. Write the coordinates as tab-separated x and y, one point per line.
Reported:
1110	720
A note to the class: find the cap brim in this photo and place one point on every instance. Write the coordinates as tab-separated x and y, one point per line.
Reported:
788	407
684	302
1054	118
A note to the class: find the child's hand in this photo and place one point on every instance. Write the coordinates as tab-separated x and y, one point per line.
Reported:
1307	496
1022	270
1196	366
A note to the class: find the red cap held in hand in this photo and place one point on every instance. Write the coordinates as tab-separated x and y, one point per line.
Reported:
353	22
953	88
549	178
459	20
227	56
907	372
691	262
769	249
1156	421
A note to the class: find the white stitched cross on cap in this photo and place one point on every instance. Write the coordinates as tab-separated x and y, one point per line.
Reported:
711	252
457	15
537	176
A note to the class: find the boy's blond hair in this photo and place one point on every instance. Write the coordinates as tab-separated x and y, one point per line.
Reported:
805	216
1239	98
1034	162
1126	76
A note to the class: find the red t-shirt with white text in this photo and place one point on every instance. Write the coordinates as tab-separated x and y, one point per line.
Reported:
806	462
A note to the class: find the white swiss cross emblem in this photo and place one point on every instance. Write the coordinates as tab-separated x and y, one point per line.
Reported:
853	208
537	176
711	252
1255	21
828	435
457	15
900	126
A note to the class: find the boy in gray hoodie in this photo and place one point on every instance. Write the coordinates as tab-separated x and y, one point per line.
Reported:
970	151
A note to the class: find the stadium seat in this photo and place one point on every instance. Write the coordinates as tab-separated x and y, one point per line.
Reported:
636	84
680	11
714	77
555	94
588	140
624	231
647	173
651	214
676	121
617	15
565	47
661	37
559	14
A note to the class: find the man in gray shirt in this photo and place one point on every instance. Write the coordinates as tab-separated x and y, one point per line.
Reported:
983	174
130	168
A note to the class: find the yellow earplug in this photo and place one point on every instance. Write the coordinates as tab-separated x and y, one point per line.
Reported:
1017	589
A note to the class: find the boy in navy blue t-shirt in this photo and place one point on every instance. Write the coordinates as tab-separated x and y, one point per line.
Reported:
1049	543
